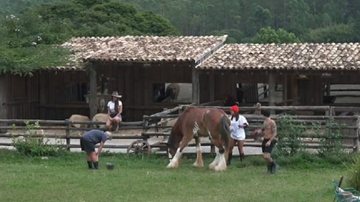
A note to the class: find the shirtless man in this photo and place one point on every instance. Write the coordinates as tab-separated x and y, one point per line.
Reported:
269	141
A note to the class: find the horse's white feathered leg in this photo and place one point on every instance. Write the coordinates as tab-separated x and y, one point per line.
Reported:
215	161
199	160
221	166
174	162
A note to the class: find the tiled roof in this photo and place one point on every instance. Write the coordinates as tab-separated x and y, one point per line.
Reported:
145	48
306	56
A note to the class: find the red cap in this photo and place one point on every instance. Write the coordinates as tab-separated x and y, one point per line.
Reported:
235	108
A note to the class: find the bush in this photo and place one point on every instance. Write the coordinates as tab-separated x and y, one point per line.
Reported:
354	174
331	143
289	133
32	145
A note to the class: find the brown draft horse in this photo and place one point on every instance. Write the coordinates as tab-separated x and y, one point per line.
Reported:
200	122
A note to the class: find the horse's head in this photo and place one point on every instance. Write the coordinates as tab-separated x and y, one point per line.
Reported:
172	145
173	141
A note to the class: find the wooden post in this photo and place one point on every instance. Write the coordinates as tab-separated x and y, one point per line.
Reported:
92	94
67	132
195	87
212	149
285	90
257	109
331	112
272	83
356	140
212	85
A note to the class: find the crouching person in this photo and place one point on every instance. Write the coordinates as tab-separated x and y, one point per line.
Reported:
88	142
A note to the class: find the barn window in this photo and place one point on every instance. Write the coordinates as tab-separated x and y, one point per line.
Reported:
256	92
172	92
75	92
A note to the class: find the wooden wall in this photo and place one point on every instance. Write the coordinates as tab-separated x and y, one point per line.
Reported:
135	82
59	96
54	94
21	96
225	83
3	96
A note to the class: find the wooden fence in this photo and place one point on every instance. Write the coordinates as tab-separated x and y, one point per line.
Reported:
156	125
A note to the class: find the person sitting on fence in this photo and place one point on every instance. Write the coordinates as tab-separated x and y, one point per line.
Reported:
115	108
270	132
88	142
238	123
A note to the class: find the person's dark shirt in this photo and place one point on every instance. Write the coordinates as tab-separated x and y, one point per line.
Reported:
95	136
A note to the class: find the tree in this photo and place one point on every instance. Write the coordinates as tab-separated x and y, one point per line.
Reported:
31	39
339	33
269	35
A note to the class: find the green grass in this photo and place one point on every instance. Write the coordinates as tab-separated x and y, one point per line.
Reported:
66	178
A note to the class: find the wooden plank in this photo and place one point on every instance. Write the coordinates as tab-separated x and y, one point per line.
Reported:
195	87
272	83
211	86
149	134
357	141
93	90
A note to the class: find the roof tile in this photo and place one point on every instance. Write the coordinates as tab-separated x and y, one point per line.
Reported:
144	48
300	56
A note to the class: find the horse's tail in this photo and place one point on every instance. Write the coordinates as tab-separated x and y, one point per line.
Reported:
225	131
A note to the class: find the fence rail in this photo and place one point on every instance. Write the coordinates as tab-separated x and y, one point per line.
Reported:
153	125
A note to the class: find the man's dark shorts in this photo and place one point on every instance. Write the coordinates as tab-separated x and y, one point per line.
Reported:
87	146
268	149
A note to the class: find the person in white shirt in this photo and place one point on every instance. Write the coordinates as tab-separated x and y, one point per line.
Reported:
115	108
237	132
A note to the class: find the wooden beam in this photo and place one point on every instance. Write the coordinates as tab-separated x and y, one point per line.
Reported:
212	85
272	83
356	140
195	87
285	89
93	86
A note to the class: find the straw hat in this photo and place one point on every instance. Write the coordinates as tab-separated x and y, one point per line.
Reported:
116	94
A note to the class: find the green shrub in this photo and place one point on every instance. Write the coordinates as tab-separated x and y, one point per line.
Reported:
32	145
354	174
292	132
331	141
289	133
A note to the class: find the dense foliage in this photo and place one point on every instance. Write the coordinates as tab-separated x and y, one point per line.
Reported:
259	21
29	39
308	20
354	173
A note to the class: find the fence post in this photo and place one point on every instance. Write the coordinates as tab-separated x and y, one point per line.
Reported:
67	132
331	112
212	149
356	140
257	109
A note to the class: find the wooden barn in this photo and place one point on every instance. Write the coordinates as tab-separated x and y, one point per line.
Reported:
283	74
151	73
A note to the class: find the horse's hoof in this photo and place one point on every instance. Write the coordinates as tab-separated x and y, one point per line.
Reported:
172	165
212	167
219	168
198	165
